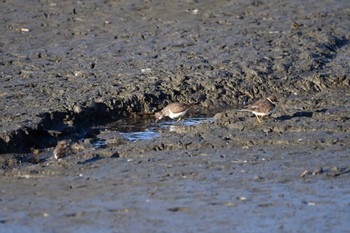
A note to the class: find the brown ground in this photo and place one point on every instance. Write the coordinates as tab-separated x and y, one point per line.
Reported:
70	69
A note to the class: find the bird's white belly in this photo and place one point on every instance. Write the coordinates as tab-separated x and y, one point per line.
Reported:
264	113
261	113
176	115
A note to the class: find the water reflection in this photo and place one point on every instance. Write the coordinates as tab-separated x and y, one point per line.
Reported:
99	143
135	136
173	125
148	130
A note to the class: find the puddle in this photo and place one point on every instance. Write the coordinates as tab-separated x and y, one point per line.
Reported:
186	122
142	130
172	125
135	136
99	143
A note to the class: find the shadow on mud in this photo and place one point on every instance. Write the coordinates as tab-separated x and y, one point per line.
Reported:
300	114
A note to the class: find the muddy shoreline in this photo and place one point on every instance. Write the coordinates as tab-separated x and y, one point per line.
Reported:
69	70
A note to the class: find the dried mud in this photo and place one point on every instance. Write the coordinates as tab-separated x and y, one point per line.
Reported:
68	69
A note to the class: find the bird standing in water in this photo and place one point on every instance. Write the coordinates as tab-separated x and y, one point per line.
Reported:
174	110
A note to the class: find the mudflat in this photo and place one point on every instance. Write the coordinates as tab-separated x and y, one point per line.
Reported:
77	71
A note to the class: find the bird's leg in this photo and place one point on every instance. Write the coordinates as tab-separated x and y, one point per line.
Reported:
180	119
258	118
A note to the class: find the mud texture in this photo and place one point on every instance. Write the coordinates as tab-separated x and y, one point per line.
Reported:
69	68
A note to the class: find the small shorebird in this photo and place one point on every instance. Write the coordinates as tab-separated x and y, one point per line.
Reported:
61	149
174	110
262	108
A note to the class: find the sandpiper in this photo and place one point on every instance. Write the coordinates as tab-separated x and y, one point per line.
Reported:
262	108
174	110
61	149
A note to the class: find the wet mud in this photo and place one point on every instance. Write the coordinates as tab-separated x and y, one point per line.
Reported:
93	73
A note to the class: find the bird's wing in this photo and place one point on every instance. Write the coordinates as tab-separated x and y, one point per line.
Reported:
179	108
252	107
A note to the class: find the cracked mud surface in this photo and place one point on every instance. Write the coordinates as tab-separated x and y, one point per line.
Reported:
68	69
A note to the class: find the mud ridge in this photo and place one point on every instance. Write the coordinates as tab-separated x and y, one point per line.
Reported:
73	125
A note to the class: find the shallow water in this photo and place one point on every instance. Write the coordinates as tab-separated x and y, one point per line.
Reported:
99	143
134	136
145	130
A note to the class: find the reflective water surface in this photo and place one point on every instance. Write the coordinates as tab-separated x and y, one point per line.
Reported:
144	130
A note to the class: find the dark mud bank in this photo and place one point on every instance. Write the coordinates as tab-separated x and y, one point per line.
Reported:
51	127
